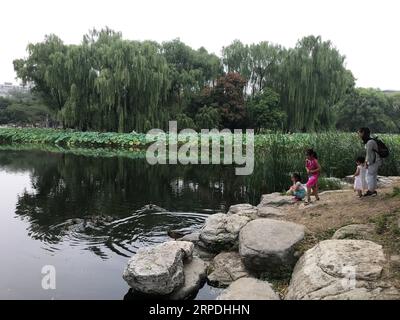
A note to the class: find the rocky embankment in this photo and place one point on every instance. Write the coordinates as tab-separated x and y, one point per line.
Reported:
250	248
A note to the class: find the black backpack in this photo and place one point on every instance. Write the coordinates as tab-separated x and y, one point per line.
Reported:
383	150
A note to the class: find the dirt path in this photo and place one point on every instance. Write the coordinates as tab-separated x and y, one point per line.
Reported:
339	208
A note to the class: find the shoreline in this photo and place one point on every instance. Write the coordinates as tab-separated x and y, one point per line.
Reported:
239	257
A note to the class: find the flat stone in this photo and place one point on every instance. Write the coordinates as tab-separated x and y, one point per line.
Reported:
158	270
249	289
271	212
268	245
226	267
274	200
341	269
195	275
355	231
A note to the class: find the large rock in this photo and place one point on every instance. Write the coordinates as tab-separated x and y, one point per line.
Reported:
341	269
195	273
268	245
244	209
248	289
221	231
274	200
158	270
226	268
355	231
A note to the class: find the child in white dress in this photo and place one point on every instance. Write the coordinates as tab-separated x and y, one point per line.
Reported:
360	181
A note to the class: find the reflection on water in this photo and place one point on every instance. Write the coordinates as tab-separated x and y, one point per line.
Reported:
87	215
105	202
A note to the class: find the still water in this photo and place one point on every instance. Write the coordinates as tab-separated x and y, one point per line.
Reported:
87	215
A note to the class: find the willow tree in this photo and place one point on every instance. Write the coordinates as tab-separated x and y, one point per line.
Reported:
236	59
257	63
45	68
265	59
105	83
190	71
312	79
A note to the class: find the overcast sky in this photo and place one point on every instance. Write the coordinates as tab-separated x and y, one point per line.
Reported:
366	31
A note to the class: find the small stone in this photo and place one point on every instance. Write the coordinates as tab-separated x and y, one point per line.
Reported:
195	276
244	209
249	289
226	267
355	231
191	237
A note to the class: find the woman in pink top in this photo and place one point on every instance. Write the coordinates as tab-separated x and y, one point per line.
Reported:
313	170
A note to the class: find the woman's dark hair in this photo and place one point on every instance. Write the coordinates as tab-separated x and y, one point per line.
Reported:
366	134
360	159
311	153
296	177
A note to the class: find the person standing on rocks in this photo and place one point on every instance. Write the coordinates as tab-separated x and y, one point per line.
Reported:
373	160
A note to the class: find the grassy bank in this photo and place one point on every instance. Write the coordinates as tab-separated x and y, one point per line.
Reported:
281	153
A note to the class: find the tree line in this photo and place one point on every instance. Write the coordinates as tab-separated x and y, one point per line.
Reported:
108	83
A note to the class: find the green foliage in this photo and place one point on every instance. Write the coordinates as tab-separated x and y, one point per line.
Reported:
396	192
207	118
185	122
4	103
25	109
70	138
310	78
107	83
329	184
264	111
369	108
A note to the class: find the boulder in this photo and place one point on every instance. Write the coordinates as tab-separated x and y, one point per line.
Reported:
341	269
275	199
158	270
244	209
268	245
249	289
225	268
355	231
221	231
195	273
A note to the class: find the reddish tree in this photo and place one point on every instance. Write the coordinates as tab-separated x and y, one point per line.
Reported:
229	96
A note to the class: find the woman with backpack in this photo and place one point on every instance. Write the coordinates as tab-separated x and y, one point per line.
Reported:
373	157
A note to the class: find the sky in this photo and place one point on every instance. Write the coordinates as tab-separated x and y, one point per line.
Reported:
365	31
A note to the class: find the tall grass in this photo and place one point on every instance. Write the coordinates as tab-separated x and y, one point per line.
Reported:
276	154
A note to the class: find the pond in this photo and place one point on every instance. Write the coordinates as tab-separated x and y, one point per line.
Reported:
87	215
